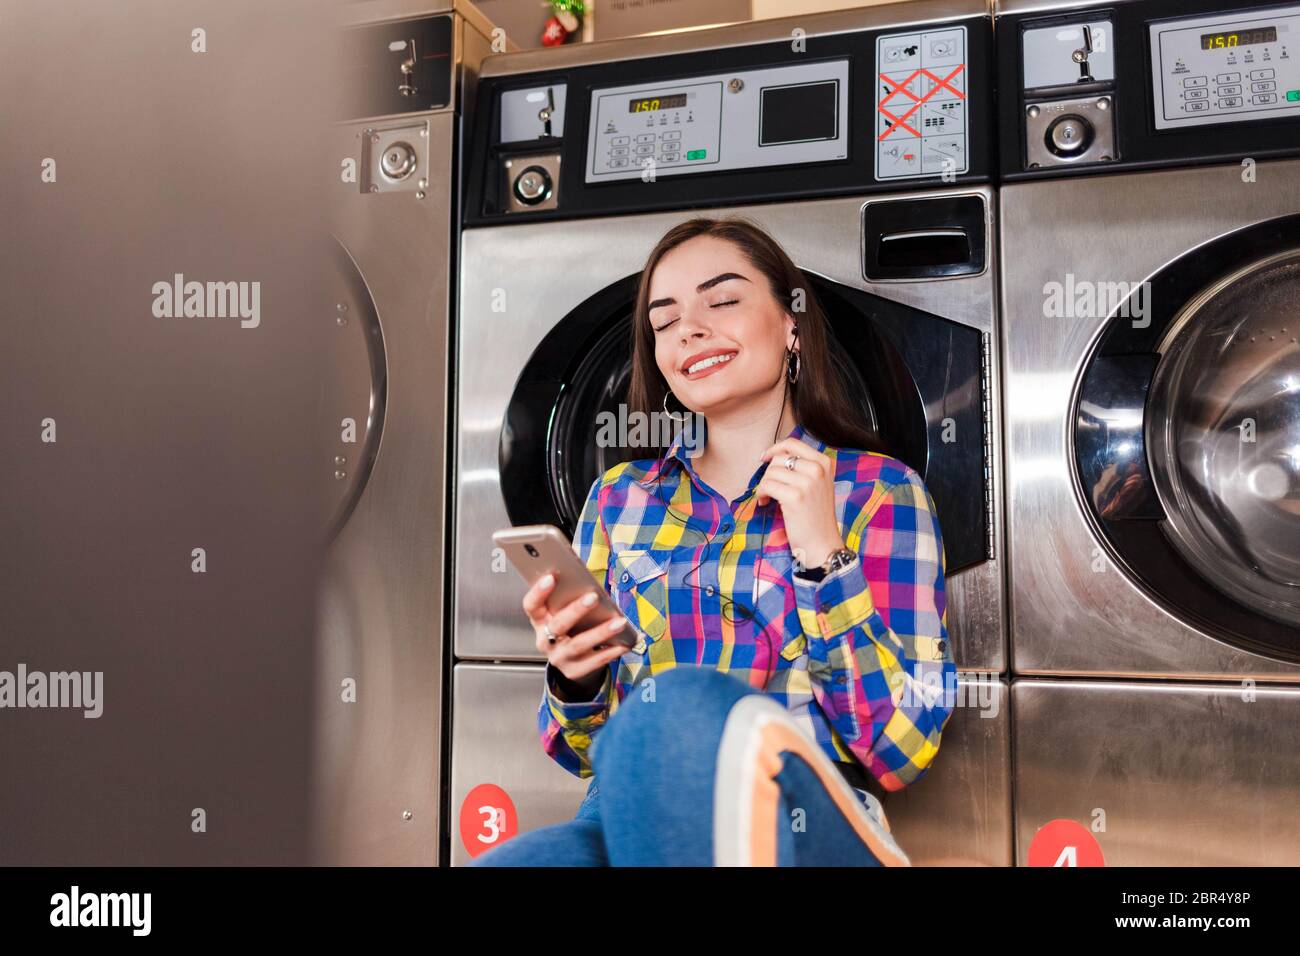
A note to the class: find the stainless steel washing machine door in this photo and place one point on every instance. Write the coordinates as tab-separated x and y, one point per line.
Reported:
1187	438
1223	435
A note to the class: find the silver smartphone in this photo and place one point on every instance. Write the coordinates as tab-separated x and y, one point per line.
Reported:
536	549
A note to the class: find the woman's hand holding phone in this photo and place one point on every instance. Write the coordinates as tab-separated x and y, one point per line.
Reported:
581	657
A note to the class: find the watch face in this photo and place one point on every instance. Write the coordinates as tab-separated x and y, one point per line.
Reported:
840	558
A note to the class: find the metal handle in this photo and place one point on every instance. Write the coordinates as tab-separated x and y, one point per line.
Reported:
924	234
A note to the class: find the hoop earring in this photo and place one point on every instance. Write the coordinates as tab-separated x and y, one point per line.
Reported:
793	363
680	418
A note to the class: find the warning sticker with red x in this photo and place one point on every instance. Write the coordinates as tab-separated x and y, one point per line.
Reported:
921	104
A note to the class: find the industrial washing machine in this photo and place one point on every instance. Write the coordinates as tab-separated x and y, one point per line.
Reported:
862	140
380	655
1150	257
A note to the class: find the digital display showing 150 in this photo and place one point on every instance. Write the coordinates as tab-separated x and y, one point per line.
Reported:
1231	38
648	104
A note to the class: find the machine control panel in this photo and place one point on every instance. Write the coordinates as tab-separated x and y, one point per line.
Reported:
745	119
1227	68
921	104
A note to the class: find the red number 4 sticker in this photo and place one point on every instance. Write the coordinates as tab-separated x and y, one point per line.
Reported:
1064	843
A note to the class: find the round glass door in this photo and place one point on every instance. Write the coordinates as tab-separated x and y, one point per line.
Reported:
1223	435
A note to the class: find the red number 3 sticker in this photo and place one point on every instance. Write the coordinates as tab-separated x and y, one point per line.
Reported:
487	818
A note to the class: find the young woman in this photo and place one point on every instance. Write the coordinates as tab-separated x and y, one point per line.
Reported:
787	582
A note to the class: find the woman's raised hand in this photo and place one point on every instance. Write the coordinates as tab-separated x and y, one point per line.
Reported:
806	494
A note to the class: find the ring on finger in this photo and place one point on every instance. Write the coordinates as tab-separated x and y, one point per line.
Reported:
790	460
550	635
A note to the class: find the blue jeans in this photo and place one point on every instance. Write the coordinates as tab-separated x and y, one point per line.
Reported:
697	768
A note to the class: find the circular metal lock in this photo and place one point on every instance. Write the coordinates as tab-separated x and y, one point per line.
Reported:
533	186
398	161
1069	136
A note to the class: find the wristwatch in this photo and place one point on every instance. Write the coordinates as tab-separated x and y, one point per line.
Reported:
841	558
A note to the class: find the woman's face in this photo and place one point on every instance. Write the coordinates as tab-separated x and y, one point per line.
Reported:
720	336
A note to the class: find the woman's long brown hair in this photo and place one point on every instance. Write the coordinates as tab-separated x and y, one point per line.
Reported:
820	403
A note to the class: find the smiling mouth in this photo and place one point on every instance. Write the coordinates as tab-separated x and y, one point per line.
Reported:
712	362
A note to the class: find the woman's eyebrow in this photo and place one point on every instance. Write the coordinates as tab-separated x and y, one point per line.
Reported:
702	287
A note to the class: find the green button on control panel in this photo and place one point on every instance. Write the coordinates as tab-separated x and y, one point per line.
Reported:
1293	96
695	153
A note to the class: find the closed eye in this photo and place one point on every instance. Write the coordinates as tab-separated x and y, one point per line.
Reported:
712	305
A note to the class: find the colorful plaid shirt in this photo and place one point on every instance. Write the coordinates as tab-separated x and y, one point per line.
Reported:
861	658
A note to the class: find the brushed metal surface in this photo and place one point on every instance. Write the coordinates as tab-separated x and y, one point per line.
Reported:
914	13
1067	619
494	739
378	761
959	813
1185	774
511	294
382	603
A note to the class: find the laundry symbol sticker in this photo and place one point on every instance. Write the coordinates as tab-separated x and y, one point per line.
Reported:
921	105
